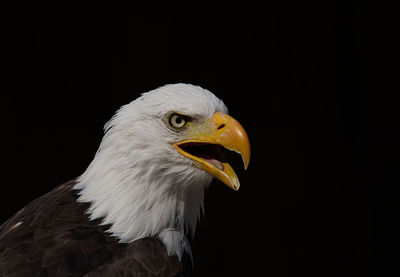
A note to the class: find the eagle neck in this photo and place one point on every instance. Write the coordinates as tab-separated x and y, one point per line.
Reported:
140	199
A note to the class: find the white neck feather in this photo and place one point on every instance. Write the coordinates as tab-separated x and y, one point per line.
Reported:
137	199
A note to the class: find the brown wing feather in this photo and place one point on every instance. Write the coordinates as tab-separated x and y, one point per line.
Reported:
52	236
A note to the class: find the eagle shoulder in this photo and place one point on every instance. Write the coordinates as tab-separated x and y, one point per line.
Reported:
53	236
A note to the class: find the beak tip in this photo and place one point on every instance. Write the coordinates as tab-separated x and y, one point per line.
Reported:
246	163
236	185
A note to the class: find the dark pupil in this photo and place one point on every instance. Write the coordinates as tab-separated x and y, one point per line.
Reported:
178	120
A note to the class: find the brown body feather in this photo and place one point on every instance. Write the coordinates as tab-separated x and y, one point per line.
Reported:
53	236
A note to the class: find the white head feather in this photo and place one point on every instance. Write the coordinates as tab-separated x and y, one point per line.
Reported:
137	181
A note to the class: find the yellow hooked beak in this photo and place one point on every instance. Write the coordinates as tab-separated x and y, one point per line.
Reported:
222	130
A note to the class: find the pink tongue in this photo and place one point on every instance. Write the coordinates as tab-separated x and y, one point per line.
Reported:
215	163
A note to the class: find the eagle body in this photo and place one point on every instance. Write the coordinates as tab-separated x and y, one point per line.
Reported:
53	236
131	211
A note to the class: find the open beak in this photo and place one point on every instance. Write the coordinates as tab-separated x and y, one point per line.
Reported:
204	148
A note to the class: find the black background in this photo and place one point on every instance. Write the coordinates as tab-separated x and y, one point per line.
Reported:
309	203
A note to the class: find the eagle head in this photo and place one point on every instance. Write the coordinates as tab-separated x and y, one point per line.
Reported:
157	156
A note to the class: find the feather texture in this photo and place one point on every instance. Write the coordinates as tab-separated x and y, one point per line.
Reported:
52	236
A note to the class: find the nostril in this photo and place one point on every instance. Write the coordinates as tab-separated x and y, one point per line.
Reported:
221	126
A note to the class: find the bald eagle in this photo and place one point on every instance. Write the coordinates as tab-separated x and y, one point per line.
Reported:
131	211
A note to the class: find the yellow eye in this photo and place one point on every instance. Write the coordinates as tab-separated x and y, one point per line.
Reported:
177	121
